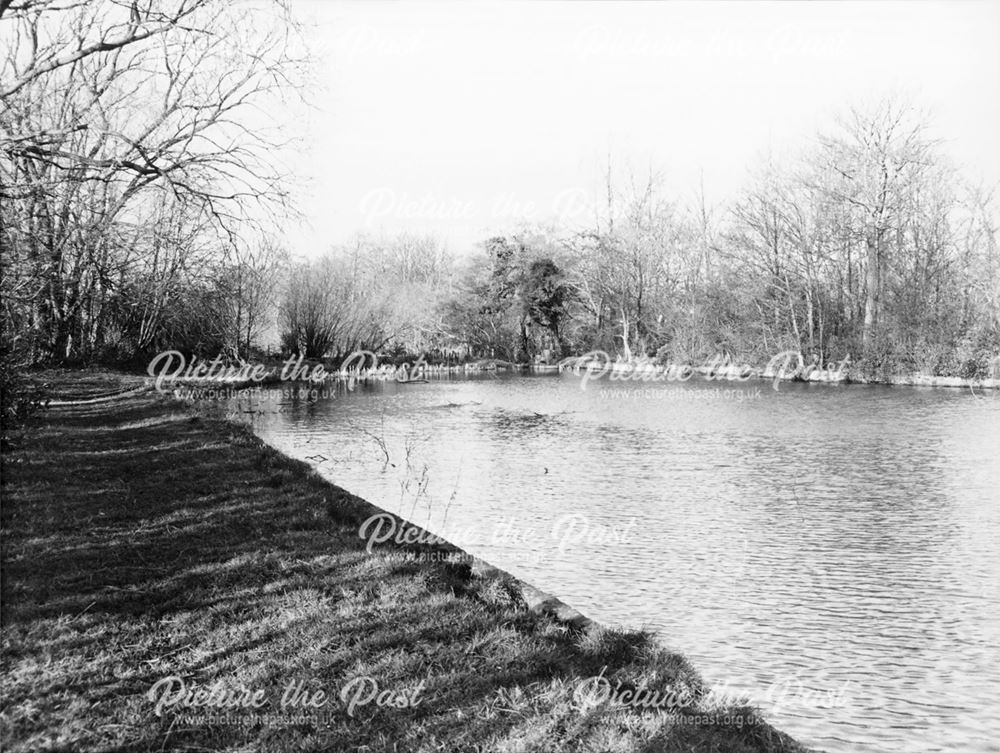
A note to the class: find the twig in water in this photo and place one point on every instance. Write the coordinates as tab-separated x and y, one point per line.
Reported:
379	440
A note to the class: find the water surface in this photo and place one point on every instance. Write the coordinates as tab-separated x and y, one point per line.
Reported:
829	550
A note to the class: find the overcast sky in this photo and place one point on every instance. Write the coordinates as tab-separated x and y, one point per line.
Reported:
461	119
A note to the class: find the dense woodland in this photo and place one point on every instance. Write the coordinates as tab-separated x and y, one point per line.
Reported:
141	206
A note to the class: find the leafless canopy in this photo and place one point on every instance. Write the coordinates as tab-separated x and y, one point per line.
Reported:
135	138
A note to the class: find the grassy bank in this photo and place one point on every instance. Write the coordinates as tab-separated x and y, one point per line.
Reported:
141	542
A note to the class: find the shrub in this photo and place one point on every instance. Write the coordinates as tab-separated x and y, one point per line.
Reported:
19	396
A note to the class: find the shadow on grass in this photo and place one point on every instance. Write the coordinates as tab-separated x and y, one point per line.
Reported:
140	542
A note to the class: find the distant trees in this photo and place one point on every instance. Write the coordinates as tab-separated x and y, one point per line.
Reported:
868	244
366	296
325	311
138	181
515	303
775	243
862	245
878	171
636	268
546	296
251	279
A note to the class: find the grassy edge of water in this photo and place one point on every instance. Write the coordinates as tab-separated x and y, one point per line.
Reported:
141	540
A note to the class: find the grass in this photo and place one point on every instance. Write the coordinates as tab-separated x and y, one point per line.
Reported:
142	541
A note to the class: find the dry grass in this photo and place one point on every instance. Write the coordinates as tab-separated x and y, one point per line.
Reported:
141	541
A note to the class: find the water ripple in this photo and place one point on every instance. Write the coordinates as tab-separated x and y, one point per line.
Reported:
830	552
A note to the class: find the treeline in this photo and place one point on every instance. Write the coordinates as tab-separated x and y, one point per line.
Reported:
867	245
135	168
381	295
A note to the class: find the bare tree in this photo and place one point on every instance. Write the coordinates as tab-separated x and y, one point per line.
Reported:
876	162
110	108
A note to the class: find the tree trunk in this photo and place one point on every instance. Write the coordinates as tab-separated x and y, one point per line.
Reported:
873	281
625	337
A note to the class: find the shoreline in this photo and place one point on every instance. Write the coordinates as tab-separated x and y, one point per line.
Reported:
638	372
260	559
648	371
729	373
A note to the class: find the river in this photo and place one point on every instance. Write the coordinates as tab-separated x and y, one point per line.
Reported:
830	551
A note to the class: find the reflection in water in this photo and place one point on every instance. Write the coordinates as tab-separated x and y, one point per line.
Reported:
829	551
